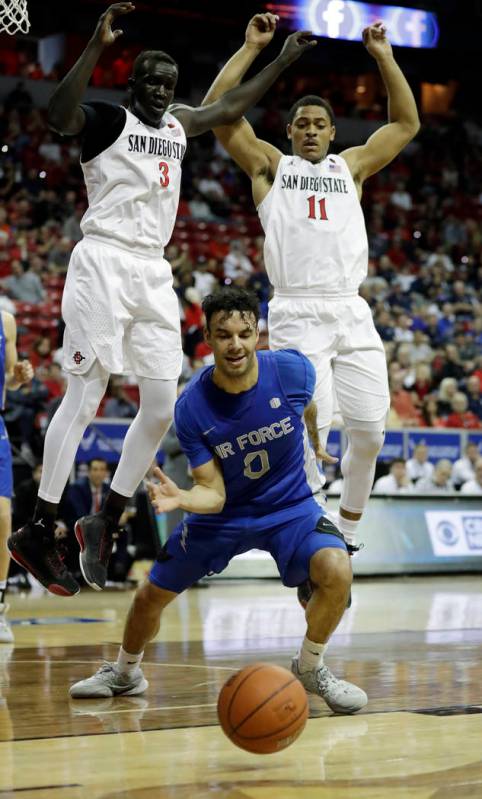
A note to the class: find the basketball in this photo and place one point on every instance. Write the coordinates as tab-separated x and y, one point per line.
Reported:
262	708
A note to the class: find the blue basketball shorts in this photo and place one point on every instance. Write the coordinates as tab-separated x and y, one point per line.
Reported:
197	548
6	487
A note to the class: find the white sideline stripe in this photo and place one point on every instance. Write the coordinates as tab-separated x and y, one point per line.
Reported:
190	666
144	663
145	710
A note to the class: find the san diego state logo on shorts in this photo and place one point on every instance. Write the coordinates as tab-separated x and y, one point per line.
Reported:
77	357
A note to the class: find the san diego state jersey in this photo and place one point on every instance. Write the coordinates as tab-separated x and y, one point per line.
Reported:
133	185
258	436
315	230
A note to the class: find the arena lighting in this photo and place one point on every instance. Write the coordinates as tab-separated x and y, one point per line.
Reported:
345	19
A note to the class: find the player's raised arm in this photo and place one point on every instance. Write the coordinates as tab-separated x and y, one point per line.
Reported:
255	157
206	496
64	112
236	102
386	143
259	33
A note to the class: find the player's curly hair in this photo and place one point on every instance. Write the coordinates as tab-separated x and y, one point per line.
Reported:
311	99
229	299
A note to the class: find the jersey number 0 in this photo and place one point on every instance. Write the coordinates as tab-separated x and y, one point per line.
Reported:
262	454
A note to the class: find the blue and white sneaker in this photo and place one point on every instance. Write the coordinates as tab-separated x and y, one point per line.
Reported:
321	684
108	681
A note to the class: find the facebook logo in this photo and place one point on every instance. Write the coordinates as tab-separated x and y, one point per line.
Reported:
335	19
334	16
345	19
416	27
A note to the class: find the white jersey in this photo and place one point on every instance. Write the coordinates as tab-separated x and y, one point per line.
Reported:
316	238
133	186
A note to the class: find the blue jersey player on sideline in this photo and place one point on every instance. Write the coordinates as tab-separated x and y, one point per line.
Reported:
242	426
13	374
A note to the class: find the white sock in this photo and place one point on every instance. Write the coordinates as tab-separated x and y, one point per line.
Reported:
65	431
154	417
348	528
310	655
126	663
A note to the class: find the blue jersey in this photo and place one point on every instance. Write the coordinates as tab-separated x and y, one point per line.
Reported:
2	364
258	436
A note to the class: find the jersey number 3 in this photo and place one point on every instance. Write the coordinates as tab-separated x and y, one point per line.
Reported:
312	208
164	170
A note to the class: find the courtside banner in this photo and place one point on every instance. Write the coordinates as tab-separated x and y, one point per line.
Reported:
447	446
455	533
104	438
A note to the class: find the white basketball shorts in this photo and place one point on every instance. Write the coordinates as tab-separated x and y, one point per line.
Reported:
120	307
340	339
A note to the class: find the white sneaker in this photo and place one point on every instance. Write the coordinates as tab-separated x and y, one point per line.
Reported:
108	681
6	634
339	695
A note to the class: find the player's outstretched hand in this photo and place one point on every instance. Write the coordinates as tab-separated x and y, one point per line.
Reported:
23	372
104	34
261	30
296	44
164	495
375	40
322	455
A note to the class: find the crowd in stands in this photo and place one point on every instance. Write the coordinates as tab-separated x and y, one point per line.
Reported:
423	217
418	475
21	61
350	95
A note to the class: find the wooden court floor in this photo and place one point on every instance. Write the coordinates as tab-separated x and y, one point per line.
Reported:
415	646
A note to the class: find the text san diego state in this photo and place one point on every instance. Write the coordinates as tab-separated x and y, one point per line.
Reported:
316	184
155	145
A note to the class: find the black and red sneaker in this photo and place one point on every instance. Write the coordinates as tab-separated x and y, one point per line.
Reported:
96	542
38	554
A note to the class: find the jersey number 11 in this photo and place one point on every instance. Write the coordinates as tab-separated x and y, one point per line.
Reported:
312	207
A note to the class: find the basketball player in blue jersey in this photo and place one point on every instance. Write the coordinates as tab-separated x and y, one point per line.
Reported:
119	306
256	486
316	251
13	374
